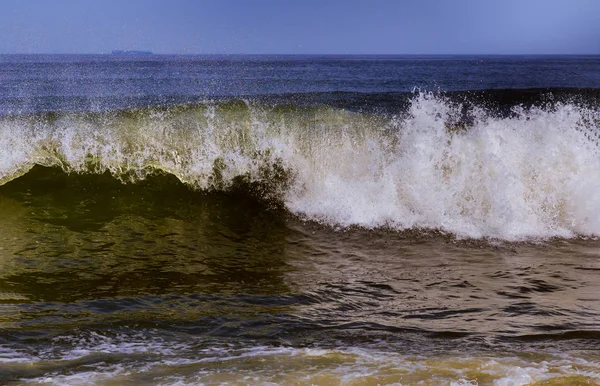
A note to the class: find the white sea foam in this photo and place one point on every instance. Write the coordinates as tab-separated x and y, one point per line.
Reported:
288	365
11	355
535	174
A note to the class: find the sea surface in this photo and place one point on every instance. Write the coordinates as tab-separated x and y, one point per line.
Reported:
298	220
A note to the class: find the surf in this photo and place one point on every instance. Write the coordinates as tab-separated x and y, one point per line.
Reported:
529	174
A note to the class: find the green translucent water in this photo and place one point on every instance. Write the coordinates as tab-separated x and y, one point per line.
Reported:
154	283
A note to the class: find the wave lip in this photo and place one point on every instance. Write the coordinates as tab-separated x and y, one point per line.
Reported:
533	173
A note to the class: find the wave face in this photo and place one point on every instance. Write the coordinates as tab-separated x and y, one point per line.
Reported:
534	173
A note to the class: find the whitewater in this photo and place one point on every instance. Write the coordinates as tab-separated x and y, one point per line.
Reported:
531	174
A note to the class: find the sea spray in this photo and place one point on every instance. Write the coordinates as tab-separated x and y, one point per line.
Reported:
534	173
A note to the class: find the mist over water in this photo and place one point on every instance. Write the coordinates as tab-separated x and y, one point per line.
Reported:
292	231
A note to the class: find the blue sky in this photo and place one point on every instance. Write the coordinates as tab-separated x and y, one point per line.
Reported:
301	27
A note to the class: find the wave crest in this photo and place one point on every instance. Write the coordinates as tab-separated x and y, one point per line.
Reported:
534	173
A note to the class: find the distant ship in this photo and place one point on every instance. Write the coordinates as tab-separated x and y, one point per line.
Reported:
122	52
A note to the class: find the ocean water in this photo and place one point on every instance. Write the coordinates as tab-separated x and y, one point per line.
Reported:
327	220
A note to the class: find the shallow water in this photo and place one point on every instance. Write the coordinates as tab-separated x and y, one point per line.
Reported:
110	283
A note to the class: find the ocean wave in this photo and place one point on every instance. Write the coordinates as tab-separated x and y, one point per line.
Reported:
532	173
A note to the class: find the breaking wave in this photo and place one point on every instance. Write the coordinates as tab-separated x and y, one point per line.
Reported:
532	173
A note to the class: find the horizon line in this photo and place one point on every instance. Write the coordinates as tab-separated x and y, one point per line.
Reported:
151	53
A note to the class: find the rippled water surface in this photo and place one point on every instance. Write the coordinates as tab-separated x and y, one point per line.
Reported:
105	282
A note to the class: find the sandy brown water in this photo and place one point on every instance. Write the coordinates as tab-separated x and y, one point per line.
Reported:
153	283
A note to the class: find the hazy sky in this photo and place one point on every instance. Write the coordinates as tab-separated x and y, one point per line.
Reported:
301	27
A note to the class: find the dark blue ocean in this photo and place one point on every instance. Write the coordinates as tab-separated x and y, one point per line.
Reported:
30	83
